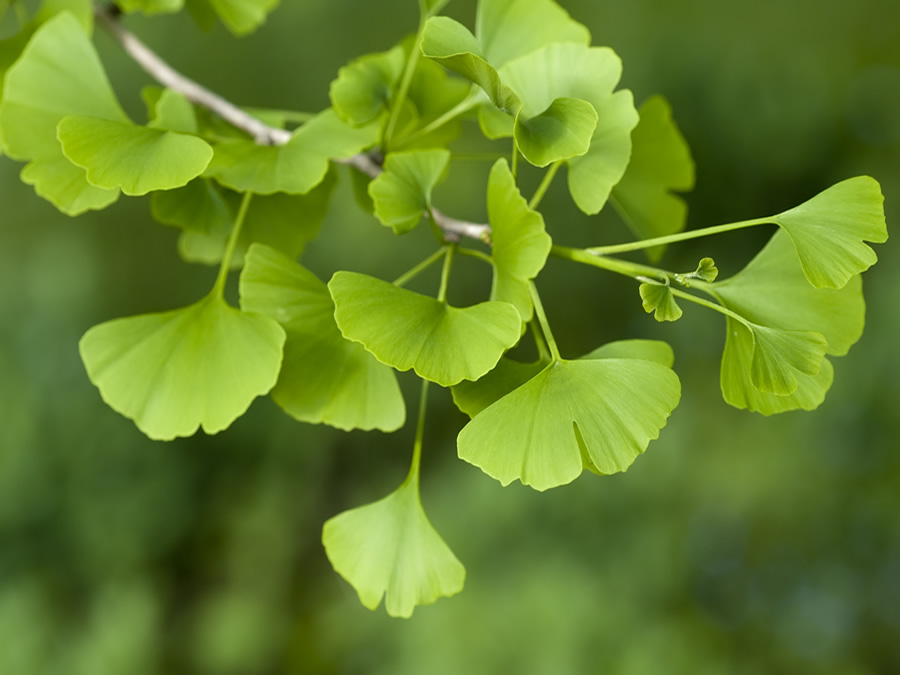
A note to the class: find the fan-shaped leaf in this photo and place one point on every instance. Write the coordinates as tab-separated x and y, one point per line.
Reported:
402	191
324	378
780	355
658	298
406	330
594	414
562	131
173	112
200	366
198	206
363	87
390	549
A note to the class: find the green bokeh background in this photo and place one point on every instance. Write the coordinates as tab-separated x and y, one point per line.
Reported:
737	544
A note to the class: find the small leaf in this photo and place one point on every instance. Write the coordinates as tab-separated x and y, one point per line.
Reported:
658	298
363	88
402	191
520	244
389	549
296	167
239	16
135	159
200	366
660	164
406	330
830	229
324	378
706	271
594	414
564	130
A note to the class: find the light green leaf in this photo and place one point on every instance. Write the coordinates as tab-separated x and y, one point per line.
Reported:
658	298
564	130
432	92
172	111
520	244
58	74
296	167
494	123
406	330
780	355
645	350
402	191
200	366
706	271
574	415
150	7
324	378
390	549
198	206
830	229
239	16
135	159
660	164
363	88
283	222
83	10
589	74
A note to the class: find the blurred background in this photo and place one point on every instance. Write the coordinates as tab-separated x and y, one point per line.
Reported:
736	544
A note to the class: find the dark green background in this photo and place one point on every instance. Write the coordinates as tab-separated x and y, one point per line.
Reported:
737	544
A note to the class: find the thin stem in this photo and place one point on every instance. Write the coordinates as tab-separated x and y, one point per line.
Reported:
445	273
420	435
549	175
542	318
540	343
421	267
673	238
474	253
460	108
219	287
454	228
629	269
400	98
709	305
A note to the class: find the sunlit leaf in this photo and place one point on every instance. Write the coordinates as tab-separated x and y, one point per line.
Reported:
660	164
596	414
58	74
174	372
324	378
658	298
389	549
173	112
296	167
562	131
520	244
406	330
150	7
239	16
363	88
780	355
495	123
830	229
402	191
135	159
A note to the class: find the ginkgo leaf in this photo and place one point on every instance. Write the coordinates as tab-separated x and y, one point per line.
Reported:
173	112
363	88
597	414
646	350
389	549
198	206
324	378
495	123
658	298
519	241
135	159
150	7
706	271
406	330
830	229
58	74
432	93
295	167
402	191
660	165
589	74
562	131
780	355
283	222
239	16
174	372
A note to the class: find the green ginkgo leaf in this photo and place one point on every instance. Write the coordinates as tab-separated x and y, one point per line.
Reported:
363	88
239	16
432	93
567	70
150	7
389	549
495	123
406	330
295	167
58	74
780	355
324	378
562	131
283	222
520	243
135	159
658	298
706	271
174	372
173	112
402	192
198	206
596	414
830	231
660	165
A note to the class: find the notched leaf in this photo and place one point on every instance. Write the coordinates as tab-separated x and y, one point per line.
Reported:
658	298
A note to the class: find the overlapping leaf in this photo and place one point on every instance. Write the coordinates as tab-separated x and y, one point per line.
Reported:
596	414
198	206
295	167
402	192
520	244
239	16
389	549
363	88
173	112
830	231
406	330
660	165
173	372
324	378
